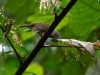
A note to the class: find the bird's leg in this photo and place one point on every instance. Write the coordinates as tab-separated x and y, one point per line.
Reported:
48	41
42	34
37	35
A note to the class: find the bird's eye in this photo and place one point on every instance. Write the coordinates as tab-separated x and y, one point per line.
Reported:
55	34
31	25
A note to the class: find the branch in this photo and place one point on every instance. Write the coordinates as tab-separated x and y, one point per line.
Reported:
18	56
55	46
44	37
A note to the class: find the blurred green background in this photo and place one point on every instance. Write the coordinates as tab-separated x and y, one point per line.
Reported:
81	23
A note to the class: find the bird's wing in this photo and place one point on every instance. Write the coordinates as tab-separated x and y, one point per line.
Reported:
43	27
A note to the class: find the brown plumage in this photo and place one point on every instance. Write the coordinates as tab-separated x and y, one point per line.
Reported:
40	28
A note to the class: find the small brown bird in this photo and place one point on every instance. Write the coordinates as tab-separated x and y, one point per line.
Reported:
40	28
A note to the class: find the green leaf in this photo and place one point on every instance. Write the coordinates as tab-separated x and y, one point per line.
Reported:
34	69
16	41
84	18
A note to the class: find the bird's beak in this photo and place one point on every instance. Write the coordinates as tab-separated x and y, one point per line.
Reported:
24	25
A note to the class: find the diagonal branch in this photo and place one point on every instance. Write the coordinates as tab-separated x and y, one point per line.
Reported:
44	37
18	56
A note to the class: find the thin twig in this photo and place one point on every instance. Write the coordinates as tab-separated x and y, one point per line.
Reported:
18	56
55	46
15	51
44	38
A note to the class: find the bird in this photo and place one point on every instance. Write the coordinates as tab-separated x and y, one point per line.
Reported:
40	28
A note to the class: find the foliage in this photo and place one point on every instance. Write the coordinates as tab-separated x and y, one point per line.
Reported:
81	23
